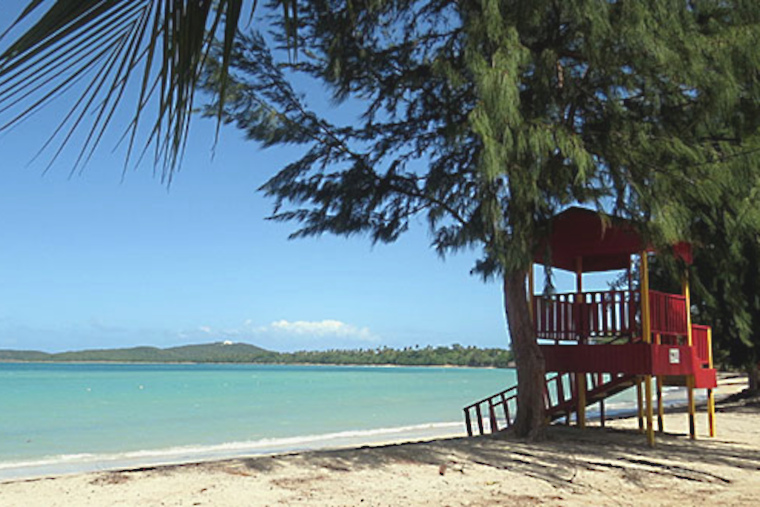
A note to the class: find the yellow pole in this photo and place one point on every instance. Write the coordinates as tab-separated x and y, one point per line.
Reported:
690	342
640	404
660	410
580	378
710	395
646	323
647	336
692	406
687	294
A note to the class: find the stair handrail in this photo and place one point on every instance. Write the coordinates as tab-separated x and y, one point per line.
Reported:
558	406
502	400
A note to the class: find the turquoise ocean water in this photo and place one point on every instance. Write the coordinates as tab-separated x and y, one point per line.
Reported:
61	418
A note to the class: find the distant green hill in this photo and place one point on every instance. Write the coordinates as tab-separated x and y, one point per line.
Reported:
220	352
24	355
227	352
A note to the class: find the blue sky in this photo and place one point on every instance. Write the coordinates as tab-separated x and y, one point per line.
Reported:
95	260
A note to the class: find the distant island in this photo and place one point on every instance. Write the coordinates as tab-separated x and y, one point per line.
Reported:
229	352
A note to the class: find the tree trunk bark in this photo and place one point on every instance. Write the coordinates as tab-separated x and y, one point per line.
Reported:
530	419
753	375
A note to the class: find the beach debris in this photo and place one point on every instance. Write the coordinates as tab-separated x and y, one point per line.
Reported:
454	465
110	478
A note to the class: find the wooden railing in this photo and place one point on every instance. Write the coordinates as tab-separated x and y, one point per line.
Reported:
668	314
500	409
578	317
563	398
608	315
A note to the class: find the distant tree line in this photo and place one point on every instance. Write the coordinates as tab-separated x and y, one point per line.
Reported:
221	352
456	355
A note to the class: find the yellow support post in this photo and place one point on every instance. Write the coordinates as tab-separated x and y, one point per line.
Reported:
580	381
710	394
660	410
580	378
692	407
687	294
711	412
646	323
646	330
690	342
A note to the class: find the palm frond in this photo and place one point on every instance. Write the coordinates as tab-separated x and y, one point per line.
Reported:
104	46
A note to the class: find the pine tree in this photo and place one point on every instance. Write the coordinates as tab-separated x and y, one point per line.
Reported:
727	275
489	116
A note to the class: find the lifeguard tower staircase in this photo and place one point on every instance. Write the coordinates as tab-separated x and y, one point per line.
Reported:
600	343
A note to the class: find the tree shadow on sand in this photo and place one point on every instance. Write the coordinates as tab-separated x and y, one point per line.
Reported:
557	460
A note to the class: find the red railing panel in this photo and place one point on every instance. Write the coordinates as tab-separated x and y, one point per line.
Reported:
701	342
578	317
667	313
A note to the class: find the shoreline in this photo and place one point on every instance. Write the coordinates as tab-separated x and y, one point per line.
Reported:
353	365
78	464
572	467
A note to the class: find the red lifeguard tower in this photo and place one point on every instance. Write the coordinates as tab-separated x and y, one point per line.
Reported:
600	343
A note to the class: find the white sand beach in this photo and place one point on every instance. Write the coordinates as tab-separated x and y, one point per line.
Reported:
595	466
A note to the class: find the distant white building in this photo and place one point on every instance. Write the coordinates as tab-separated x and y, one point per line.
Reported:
226	342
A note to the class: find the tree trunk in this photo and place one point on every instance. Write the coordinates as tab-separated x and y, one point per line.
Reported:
530	418
753	375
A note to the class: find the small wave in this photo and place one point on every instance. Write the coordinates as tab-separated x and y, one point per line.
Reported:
87	462
53	460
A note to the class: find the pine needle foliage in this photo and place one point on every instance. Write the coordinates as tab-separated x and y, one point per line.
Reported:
727	277
489	116
725	274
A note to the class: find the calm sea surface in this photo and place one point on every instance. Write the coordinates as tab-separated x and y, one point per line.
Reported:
63	418
71	417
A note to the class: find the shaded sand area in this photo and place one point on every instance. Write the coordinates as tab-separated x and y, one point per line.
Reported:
596	466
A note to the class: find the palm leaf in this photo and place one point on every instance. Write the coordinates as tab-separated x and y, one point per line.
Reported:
106	45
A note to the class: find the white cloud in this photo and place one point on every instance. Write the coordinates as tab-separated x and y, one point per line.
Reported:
284	335
319	329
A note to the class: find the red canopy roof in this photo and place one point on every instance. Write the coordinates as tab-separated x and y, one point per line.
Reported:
602	243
